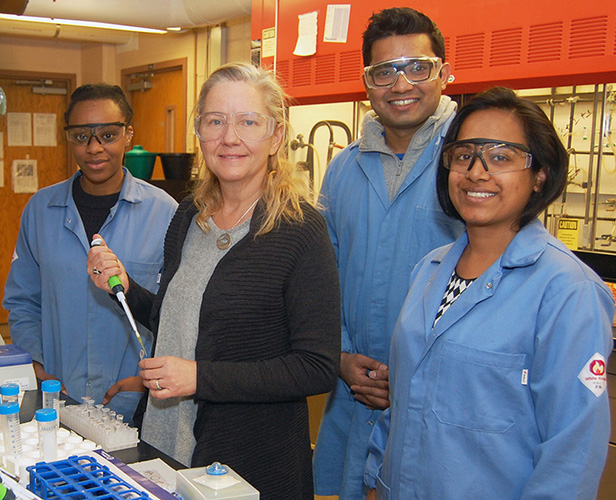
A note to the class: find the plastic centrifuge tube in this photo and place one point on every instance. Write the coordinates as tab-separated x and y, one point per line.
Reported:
47	420
9	423
51	394
9	392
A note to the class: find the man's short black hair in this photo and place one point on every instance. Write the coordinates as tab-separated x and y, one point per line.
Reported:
401	21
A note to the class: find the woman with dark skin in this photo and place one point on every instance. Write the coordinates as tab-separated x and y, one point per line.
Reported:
497	366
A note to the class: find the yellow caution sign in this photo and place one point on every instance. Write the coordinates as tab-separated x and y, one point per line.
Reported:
568	232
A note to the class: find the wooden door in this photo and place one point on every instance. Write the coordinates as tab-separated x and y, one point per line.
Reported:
160	109
53	164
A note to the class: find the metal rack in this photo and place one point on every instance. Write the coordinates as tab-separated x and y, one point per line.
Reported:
583	118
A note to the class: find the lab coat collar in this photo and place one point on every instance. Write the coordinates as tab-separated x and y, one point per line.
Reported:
373	133
427	140
524	250
129	193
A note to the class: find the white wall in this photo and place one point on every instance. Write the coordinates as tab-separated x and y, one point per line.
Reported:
304	118
44	55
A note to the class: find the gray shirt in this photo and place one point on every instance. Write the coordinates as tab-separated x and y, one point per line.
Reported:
168	423
395	169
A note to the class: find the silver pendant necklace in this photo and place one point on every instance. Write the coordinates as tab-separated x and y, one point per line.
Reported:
224	240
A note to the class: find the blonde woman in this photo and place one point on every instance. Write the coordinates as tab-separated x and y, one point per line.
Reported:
247	318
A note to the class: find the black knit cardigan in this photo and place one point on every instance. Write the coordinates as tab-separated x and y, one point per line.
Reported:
269	336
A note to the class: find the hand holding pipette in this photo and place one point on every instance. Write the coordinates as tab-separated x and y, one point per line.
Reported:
108	270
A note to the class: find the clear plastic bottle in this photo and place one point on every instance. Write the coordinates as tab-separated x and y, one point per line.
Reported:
47	419
9	423
51	396
9	393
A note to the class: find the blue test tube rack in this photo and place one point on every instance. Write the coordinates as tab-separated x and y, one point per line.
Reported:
79	478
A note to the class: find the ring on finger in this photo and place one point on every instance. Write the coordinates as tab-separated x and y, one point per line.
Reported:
158	387
95	270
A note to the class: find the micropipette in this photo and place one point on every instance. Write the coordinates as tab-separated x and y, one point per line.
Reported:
118	289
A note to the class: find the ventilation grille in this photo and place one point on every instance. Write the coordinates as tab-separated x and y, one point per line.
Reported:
588	37
325	69
302	71
545	42
518	52
283	73
351	66
469	51
506	47
447	47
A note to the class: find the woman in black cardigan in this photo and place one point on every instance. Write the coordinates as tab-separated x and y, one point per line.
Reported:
247	318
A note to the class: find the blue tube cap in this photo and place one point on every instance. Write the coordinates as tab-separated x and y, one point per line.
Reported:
9	408
216	469
9	389
51	386
46	415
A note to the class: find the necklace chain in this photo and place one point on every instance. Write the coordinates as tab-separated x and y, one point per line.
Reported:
244	214
224	240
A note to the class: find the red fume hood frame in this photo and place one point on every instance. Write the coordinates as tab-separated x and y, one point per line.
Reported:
519	44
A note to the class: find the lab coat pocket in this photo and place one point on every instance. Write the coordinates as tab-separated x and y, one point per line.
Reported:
476	389
144	273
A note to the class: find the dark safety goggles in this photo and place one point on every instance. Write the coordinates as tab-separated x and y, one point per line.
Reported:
104	133
497	157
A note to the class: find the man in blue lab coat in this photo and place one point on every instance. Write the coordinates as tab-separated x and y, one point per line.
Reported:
380	204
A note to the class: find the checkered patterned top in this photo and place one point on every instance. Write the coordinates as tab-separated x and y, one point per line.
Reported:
455	287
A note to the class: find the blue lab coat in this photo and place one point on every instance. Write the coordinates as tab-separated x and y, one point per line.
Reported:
488	403
377	243
55	311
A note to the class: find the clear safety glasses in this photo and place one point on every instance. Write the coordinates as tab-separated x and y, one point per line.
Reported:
104	133
414	69
497	157
250	127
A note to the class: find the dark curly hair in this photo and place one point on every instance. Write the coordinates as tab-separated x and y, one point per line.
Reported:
101	91
545	146
401	21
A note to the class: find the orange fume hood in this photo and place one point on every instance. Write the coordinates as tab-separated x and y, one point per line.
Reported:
520	44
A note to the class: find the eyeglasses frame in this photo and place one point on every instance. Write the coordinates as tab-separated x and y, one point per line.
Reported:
436	61
271	124
478	153
92	127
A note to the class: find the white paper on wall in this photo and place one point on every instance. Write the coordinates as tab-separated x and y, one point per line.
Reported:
268	42
45	129
19	127
337	23
25	176
306	35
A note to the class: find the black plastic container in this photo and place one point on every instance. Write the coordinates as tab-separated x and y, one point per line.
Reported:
177	166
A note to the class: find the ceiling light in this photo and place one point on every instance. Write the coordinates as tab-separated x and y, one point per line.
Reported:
86	24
